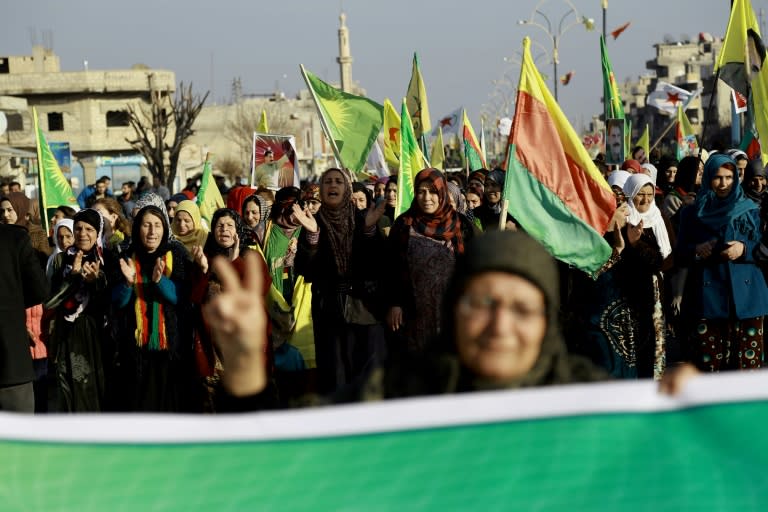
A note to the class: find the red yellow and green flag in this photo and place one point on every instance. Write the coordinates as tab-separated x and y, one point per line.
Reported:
54	189
473	154
553	188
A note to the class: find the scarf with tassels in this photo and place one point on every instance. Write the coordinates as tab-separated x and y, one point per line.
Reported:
150	329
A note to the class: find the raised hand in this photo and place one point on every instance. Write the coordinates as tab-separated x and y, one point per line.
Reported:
238	319
77	266
235	249
200	258
157	272
128	268
634	233
305	218
618	239
90	271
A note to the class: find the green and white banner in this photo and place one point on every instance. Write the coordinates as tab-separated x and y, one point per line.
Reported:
618	446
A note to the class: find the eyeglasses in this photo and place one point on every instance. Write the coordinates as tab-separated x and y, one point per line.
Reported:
483	305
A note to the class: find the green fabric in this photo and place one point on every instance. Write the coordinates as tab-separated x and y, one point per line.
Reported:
275	248
353	121
613	105
411	162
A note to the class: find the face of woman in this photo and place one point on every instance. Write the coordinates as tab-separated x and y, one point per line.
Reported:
391	194
722	182
314	206
359	200
492	192
225	231
332	189
85	236
427	198
151	232
378	190
644	199
500	323
109	217
671	172
7	213
252	214
57	216
184	223
473	200
171	208
64	238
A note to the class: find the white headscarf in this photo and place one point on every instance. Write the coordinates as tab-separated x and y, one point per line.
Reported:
652	218
618	178
651	169
63	223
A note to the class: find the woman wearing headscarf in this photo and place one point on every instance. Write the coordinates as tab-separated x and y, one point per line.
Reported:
254	219
154	347
78	341
15	208
725	294
490	212
63	239
188	226
424	244
340	257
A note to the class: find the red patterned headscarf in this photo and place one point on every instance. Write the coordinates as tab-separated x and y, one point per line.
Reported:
445	223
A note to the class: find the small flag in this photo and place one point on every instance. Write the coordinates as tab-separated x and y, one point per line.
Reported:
666	97
376	163
644	142
263	127
437	156
209	198
566	78
616	33
54	189
450	125
613	105
686	138
417	101
473	154
391	135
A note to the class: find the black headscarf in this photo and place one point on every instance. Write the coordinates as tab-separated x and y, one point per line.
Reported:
754	168
212	247
147	259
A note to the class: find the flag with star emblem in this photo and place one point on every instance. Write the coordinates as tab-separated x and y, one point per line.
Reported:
666	97
391	135
449	124
417	101
350	122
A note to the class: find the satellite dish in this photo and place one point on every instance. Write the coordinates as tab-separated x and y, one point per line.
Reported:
3	123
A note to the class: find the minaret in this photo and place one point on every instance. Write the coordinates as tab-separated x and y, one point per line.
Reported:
344	59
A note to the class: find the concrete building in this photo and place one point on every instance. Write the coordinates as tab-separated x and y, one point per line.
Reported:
87	109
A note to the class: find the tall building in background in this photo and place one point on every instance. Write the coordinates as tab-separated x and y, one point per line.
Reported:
345	57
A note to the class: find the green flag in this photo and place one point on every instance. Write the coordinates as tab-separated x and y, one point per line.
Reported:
613	106
209	198
411	162
350	122
54	190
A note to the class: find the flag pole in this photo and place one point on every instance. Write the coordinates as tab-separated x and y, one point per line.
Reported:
323	124
40	171
708	114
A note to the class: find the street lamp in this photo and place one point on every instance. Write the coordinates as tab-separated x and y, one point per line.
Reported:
562	28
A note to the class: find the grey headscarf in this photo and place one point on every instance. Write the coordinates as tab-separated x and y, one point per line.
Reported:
458	198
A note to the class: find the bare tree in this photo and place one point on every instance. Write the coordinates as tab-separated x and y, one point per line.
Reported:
155	125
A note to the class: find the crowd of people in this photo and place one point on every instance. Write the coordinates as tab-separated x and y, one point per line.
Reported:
320	293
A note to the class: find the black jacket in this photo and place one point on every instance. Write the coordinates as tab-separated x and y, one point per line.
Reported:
22	285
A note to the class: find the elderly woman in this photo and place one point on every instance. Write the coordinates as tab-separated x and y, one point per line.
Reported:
725	293
424	243
187	225
79	285
340	257
501	330
153	350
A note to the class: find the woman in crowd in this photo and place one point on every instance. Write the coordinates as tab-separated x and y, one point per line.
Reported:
253	218
63	239
78	339
15	208
117	229
311	197
361	196
340	257
154	363
188	227
725	294
428	236
490	212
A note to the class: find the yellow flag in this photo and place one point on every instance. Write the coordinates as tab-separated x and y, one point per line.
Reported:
437	156
263	126
391	136
644	142
416	99
208	197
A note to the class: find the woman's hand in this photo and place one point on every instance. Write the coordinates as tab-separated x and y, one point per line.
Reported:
734	250
305	218
77	265
90	271
704	251
374	214
157	272
618	239
238	321
200	258
128	268
634	233
235	249
675	378
395	318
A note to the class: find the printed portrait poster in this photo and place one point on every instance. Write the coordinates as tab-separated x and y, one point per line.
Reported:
274	164
614	141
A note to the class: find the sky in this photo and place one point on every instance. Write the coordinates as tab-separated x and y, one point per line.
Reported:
461	45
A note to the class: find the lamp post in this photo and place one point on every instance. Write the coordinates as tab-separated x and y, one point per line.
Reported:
561	29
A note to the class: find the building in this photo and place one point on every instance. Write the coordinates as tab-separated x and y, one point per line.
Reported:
86	109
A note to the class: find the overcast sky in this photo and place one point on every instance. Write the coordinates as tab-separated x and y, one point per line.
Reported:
461	45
